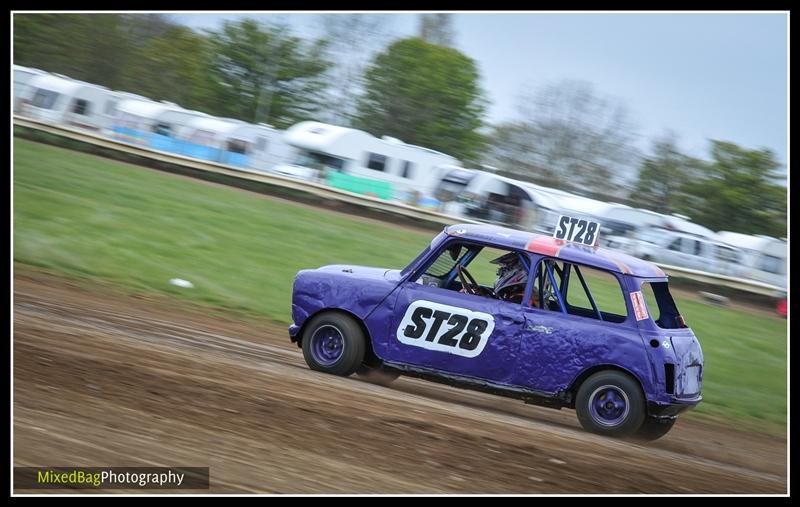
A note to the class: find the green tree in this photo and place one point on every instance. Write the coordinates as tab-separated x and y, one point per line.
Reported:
353	40
664	177
570	137
173	67
426	95
264	74
736	192
92	47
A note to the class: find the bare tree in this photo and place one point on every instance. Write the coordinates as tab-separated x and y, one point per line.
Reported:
437	29
569	137
353	40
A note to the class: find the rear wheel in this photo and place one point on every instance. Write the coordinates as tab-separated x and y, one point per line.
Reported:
333	343
653	429
610	403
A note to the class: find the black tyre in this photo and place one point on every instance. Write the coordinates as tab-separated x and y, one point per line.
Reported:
610	403
333	343
377	375
653	429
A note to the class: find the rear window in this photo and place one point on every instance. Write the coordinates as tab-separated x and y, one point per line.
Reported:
661	306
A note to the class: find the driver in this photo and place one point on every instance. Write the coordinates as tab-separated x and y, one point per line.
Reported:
511	278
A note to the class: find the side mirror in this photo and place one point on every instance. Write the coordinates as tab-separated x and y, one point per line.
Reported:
455	252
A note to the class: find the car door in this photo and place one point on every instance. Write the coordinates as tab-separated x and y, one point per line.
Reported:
453	332
556	346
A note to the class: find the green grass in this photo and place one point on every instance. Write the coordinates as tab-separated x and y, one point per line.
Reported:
137	228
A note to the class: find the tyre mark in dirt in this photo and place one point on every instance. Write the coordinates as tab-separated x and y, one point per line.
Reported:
154	330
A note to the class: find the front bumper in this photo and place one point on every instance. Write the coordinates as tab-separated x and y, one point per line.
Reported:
294	331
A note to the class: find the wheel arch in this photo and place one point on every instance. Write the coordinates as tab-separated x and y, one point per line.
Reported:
369	357
588	372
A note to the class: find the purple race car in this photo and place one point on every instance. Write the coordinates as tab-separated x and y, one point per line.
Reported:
533	317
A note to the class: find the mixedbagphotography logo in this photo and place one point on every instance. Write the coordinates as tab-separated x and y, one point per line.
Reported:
111	477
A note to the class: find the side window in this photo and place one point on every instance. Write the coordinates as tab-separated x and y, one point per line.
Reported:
261	143
675	245
80	106
163	129
698	247
45	99
407	169
238	146
594	293
376	162
546	285
771	264
661	306
726	254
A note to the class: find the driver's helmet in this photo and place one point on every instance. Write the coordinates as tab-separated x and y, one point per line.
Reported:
511	277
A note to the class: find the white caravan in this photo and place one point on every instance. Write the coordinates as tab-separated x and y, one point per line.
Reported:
612	222
763	257
318	148
235	142
497	199
61	100
135	119
454	179
690	251
22	77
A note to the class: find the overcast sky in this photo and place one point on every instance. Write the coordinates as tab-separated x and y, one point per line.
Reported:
703	76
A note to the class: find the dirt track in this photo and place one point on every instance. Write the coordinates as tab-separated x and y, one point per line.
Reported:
107	379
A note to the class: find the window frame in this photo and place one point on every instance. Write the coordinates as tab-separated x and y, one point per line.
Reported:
82	104
407	167
562	290
434	255
374	157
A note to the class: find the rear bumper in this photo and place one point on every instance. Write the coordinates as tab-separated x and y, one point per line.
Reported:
671	409
294	330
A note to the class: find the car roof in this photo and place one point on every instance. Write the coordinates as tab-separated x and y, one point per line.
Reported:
595	256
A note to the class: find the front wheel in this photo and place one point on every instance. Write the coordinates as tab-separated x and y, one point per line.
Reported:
610	403
333	343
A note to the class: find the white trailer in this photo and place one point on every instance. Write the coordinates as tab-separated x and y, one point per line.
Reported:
60	100
690	251
318	148
497	199
22	78
763	257
159	125
235	142
135	118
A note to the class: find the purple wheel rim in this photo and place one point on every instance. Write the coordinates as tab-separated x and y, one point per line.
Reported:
327	345
609	406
